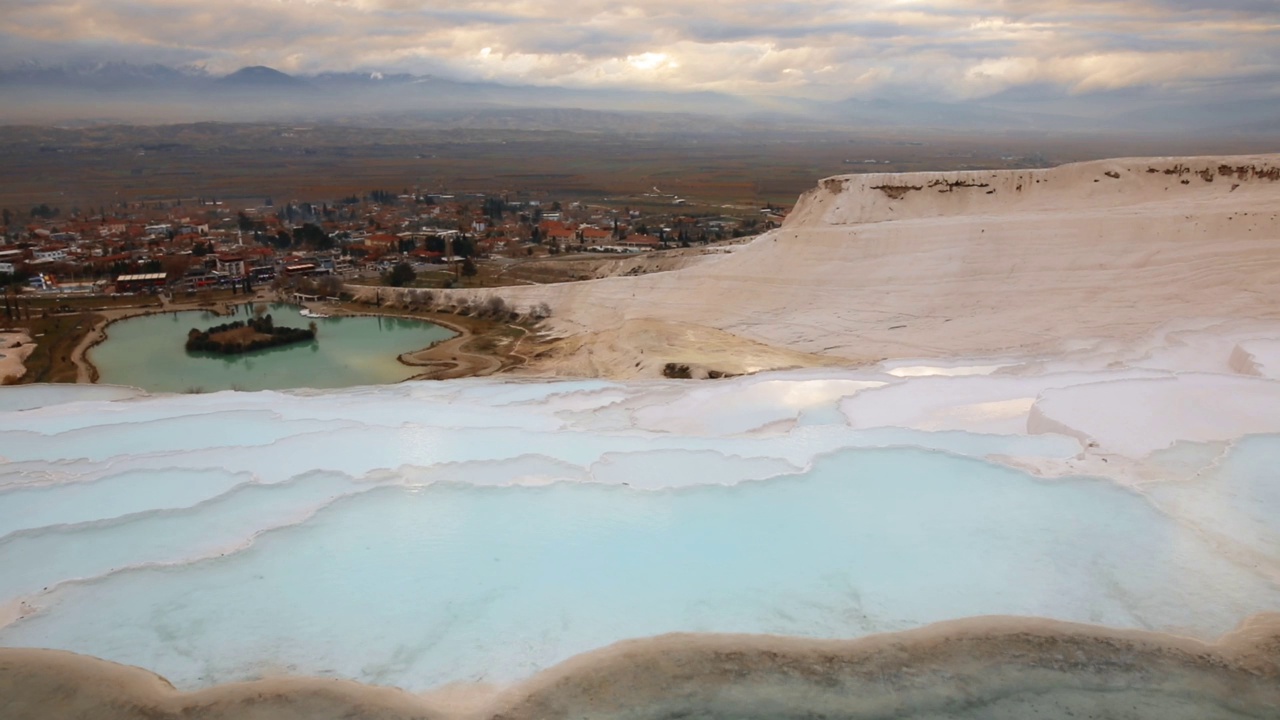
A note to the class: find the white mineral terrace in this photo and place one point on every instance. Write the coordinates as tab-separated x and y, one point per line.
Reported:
1035	396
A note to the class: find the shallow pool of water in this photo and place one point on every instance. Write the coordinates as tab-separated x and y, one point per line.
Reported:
419	534
148	352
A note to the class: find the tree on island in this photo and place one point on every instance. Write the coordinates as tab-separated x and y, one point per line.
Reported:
401	274
240	336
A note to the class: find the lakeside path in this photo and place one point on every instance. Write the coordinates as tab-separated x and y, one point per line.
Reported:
478	348
85	370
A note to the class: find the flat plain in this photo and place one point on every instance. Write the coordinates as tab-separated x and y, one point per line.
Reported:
242	163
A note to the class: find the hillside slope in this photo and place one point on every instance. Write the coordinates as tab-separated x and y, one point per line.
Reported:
952	264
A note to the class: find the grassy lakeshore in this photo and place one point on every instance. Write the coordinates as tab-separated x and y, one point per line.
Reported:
61	325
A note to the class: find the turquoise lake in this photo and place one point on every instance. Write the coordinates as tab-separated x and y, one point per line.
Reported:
148	352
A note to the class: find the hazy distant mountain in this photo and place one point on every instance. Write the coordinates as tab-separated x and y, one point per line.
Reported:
1246	116
121	92
261	76
100	76
366	79
896	112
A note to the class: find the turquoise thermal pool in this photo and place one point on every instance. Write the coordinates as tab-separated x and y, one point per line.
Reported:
424	533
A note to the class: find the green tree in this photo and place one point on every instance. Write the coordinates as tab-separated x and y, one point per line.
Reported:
312	236
493	208
401	274
469	268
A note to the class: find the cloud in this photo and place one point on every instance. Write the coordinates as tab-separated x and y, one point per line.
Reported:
936	49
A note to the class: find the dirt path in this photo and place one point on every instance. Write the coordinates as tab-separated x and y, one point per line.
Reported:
447	360
85	371
458	356
451	359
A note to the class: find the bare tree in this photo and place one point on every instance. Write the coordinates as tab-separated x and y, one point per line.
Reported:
495	307
330	286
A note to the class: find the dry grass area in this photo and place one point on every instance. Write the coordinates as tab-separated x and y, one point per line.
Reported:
56	336
59	324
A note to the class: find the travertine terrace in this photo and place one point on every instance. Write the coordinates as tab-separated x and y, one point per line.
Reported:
972	263
1040	483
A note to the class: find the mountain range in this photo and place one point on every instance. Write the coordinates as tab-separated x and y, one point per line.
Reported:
124	92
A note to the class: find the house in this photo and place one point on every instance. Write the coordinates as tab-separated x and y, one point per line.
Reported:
595	236
51	255
231	265
383	242
643	242
200	277
553	230
112	227
141	282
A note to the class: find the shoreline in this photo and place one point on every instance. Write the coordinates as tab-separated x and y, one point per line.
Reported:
447	359
450	358
86	371
963	668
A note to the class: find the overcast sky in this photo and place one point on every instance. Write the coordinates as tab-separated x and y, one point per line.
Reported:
943	49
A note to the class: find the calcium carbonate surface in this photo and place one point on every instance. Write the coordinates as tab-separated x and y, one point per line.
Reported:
423	533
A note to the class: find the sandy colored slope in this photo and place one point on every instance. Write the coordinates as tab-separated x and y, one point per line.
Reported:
958	264
974	668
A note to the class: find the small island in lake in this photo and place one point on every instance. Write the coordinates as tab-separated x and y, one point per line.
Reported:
241	336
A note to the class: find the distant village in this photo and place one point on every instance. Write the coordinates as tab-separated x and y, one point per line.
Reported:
207	243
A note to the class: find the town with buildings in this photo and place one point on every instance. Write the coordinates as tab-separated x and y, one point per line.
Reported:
446	239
